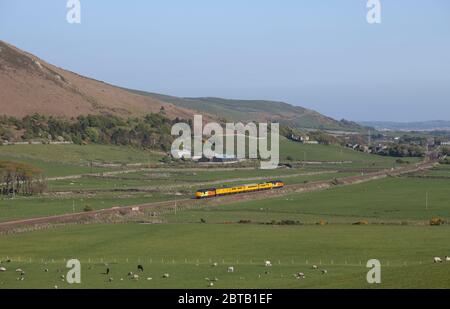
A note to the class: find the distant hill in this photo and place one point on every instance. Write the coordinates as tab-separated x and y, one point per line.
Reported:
258	110
409	126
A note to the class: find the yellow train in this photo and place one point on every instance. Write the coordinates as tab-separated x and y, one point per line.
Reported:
212	192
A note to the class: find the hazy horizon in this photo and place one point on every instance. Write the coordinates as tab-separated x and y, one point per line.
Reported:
322	56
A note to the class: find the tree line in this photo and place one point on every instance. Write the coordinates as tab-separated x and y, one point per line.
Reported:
150	132
20	178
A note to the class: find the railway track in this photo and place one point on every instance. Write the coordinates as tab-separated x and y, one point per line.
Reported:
185	203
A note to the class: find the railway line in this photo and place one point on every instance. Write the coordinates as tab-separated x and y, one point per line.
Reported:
192	202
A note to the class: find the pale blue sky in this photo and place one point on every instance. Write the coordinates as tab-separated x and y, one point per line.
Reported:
318	54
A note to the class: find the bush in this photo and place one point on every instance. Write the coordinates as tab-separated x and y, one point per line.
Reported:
436	221
322	222
87	208
335	182
244	221
362	222
401	161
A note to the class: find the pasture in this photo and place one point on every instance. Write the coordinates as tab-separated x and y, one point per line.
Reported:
187	253
391	200
242	234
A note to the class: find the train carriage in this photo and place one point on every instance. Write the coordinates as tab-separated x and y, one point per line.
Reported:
213	192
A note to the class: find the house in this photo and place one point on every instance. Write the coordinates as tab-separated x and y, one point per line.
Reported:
302	139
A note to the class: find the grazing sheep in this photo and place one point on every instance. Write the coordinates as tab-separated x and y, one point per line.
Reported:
437	260
56	287
130	273
148	279
135	277
314	267
268	264
2	269
447	258
231	269
300	276
165	276
211	284
19	270
215	264
46	270
140	268
111	279
324	271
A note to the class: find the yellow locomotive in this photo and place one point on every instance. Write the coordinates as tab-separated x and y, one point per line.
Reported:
212	192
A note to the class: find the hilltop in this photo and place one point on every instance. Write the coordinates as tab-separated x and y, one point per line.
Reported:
259	111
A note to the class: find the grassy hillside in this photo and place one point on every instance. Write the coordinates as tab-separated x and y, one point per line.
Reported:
257	110
61	160
332	153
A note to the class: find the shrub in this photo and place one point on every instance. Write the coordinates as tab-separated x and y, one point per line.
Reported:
87	208
322	222
244	221
362	222
436	221
335	182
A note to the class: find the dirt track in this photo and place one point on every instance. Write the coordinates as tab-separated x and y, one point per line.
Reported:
186	203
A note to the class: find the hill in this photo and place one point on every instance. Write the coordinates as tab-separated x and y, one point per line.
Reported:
409	126
260	111
30	85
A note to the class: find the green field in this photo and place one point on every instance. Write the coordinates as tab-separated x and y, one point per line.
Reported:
23	207
74	195
186	252
394	200
77	154
242	234
64	160
333	153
